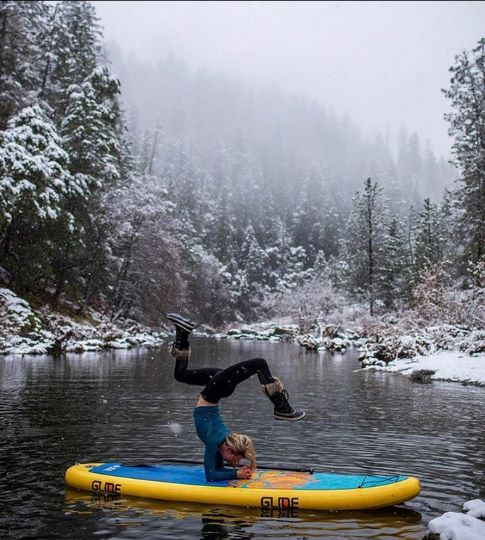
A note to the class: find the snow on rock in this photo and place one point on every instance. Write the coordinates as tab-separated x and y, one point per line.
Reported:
445	366
384	350
457	526
330	337
336	343
16	314
25	331
475	508
267	331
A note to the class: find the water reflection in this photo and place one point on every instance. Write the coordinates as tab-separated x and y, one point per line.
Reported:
208	522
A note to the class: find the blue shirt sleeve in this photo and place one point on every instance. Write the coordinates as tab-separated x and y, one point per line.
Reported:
213	464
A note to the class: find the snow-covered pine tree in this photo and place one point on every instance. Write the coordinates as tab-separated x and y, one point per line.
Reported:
20	24
429	240
92	136
396	267
364	245
34	185
220	230
72	46
467	125
92	132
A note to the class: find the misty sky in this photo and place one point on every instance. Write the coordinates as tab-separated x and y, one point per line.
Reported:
382	62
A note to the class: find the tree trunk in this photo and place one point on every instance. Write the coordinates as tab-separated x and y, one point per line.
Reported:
48	61
370	247
4	109
63	271
3	38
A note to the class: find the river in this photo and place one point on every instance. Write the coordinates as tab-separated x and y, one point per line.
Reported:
126	405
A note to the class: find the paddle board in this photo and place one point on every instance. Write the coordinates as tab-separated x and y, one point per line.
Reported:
266	489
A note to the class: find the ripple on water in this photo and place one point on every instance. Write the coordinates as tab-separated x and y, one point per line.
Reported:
124	405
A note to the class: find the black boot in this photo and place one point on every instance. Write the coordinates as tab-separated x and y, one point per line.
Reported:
279	397
183	329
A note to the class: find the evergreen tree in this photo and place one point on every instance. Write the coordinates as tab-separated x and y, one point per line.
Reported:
91	131
395	267
20	24
429	241
220	229
72	52
364	246
34	185
467	126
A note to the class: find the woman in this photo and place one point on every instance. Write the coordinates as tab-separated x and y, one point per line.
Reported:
221	445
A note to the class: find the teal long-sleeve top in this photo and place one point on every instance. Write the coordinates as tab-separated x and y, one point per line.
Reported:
212	431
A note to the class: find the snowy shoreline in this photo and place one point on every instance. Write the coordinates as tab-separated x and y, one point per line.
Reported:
27	331
468	525
452	366
444	352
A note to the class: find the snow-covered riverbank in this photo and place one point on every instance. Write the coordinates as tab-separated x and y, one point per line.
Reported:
440	352
469	525
444	352
24	330
445	366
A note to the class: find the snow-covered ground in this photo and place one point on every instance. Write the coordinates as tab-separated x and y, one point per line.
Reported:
458	526
24	330
443	365
440	352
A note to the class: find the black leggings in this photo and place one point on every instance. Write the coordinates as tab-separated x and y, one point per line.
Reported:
221	383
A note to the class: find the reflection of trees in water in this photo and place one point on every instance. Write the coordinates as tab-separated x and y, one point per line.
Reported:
49	428
477	448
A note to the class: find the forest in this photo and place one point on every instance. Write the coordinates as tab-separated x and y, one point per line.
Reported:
133	189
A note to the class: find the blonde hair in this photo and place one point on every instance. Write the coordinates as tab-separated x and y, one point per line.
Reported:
242	445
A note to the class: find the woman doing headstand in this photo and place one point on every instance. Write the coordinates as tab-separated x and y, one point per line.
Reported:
220	444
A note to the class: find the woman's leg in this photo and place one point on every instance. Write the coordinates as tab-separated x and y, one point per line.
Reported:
225	382
220	383
199	377
180	349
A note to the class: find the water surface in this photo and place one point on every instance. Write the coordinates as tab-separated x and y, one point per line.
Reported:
126	405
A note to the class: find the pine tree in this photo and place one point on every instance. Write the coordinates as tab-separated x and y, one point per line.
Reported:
467	126
20	23
91	130
92	135
429	241
72	52
34	185
395	267
364	246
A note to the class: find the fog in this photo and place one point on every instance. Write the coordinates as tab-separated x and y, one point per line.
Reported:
383	63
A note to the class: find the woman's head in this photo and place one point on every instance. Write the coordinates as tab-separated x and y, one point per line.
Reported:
237	447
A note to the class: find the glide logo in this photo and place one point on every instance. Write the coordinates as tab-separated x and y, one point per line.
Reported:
106	487
280	503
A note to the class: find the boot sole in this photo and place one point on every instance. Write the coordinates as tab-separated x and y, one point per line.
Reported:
291	419
186	325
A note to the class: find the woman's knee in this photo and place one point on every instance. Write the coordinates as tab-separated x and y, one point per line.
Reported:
259	363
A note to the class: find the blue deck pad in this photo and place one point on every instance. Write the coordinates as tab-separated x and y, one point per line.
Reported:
194	475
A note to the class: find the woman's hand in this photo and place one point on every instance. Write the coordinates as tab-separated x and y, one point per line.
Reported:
244	473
